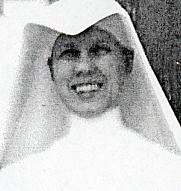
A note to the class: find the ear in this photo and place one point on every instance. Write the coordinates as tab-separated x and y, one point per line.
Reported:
50	64
128	55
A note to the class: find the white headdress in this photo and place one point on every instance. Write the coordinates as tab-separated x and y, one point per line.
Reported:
37	117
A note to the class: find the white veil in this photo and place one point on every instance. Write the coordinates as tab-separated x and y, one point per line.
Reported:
37	116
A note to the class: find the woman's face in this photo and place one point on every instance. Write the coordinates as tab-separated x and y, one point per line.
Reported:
88	70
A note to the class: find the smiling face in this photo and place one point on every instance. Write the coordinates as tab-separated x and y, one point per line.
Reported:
88	71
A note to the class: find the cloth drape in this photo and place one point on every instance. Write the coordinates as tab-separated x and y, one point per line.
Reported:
37	117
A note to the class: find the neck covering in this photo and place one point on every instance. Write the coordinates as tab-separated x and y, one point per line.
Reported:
37	117
96	155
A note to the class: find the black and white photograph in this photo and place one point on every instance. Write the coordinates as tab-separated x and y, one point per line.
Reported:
90	95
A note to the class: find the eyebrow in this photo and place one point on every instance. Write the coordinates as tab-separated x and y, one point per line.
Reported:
60	47
102	42
66	45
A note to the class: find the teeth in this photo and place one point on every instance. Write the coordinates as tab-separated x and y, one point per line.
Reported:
87	88
78	89
95	86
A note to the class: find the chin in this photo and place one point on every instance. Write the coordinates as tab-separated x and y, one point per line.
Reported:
92	110
90	105
90	113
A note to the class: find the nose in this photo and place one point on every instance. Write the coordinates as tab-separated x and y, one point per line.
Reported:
84	65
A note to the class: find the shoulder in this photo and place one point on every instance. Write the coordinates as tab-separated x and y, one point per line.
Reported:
144	164
32	173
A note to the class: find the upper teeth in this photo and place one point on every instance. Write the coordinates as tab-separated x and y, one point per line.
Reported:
86	88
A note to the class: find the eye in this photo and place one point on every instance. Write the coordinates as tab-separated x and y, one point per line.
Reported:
70	54
100	50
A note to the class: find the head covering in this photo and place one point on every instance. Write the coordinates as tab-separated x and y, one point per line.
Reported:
38	117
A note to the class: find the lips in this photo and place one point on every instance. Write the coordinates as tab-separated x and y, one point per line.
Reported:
87	87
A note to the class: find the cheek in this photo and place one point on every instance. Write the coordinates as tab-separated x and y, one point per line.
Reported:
109	67
62	70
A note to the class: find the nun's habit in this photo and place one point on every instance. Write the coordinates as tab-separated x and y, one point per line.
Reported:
130	147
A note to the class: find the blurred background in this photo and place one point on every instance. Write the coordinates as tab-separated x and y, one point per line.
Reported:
158	24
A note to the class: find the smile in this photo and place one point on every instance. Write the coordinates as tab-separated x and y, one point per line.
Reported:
86	87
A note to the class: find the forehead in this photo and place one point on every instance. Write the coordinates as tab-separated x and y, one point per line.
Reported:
91	35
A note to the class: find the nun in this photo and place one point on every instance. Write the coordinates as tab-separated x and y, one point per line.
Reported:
87	112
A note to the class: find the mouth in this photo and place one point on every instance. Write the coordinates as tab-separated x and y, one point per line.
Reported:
83	88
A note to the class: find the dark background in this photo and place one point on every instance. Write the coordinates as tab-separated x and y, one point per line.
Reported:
158	24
